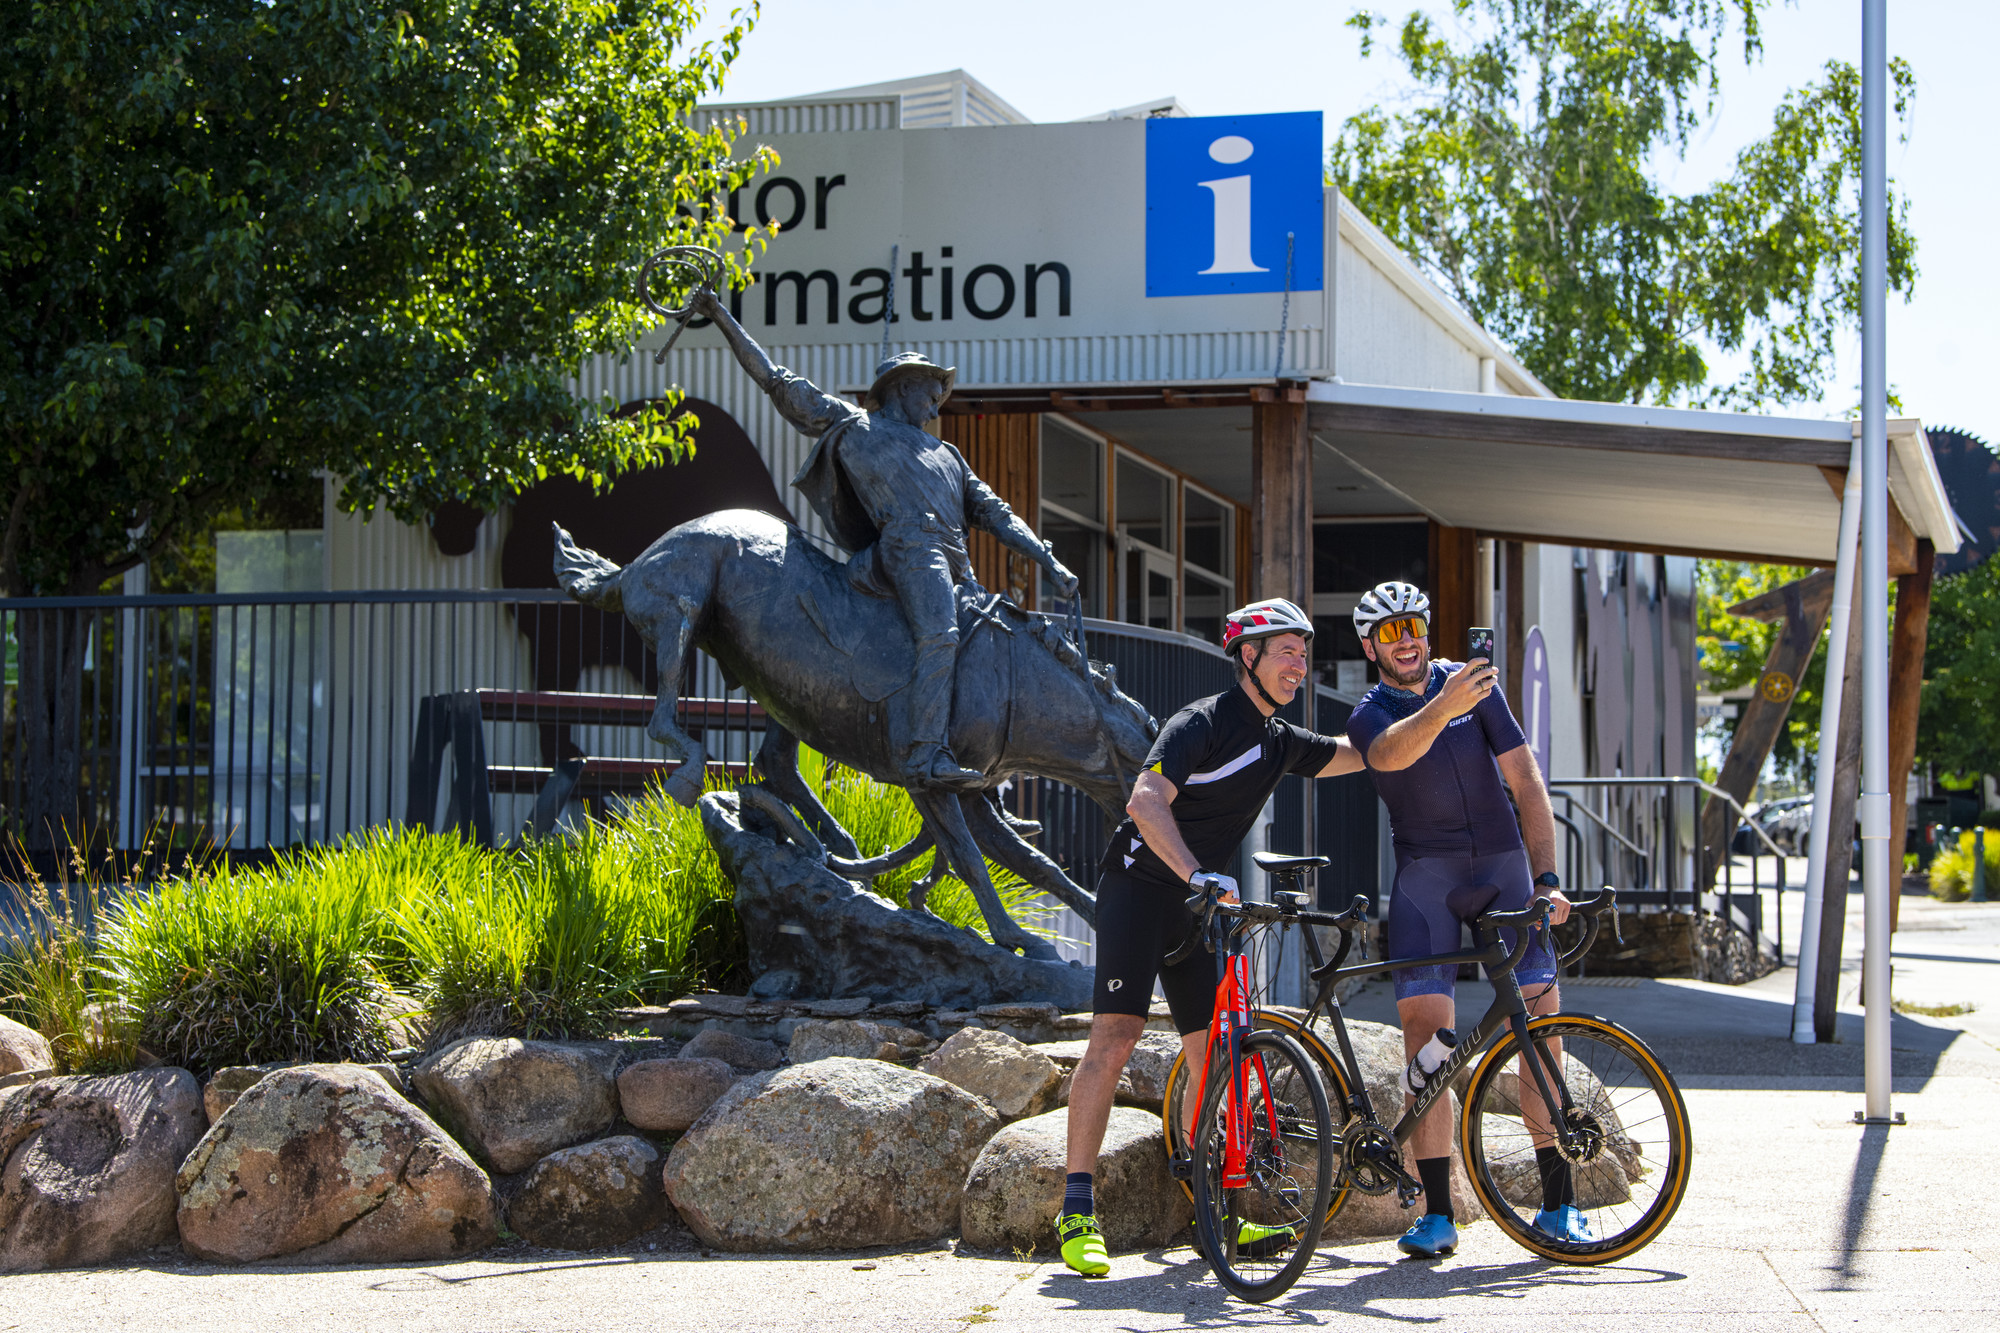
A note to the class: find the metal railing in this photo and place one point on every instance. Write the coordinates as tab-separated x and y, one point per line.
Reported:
1640	834
255	721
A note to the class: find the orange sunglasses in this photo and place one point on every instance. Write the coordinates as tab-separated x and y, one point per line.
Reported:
1403	627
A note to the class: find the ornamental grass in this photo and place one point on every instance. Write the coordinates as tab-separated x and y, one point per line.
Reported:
320	954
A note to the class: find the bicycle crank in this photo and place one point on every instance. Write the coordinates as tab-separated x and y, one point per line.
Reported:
1373	1164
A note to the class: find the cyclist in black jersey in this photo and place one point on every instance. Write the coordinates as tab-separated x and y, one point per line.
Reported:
1215	764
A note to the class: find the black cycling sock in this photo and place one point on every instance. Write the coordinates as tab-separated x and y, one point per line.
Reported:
1435	1173
1558	1182
1077	1194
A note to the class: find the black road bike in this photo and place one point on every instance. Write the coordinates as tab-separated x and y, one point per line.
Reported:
1577	1082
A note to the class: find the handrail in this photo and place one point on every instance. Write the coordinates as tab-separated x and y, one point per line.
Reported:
1598	820
1708	787
1741	815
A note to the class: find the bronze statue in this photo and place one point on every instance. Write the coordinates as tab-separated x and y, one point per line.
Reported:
827	659
899	500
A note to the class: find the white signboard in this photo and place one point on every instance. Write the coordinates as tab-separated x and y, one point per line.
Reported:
1208	225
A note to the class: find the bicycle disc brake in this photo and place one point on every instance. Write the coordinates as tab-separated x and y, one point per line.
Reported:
1582	1139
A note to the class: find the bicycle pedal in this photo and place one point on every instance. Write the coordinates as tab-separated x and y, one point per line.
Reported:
1407	1191
1181	1167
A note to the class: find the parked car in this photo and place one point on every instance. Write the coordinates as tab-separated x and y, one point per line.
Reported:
1786	821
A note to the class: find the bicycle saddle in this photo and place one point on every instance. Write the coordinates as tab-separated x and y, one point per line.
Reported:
1272	864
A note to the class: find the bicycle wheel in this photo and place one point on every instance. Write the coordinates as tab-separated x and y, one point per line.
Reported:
1331	1076
1630	1158
1242	1217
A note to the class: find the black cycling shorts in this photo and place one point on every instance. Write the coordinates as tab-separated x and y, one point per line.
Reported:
1140	922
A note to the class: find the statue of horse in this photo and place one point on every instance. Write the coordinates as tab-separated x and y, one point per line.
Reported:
827	659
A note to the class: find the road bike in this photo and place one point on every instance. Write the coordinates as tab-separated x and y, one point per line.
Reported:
1259	1172
1618	1117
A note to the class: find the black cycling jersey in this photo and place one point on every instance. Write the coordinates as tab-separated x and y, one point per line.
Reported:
1225	758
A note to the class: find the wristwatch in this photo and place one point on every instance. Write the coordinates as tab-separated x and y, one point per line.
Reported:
1548	880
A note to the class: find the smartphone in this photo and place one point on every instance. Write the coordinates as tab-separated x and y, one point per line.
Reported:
1479	643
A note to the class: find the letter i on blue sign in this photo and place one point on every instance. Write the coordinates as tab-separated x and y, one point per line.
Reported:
1222	192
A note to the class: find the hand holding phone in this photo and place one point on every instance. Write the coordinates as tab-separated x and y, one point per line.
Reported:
1479	643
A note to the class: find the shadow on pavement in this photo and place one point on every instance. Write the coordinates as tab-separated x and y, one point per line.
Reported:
1333	1284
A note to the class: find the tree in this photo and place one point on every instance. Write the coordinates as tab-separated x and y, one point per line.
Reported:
247	241
1526	179
1958	727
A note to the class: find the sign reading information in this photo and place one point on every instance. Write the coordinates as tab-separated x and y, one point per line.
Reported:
1037	231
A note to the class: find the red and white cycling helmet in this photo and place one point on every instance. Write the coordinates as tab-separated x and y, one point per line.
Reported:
1264	620
1388	601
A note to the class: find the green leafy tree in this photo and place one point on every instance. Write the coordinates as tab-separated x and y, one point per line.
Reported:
251	240
1525	176
1958	727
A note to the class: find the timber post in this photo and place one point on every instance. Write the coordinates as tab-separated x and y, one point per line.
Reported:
1906	683
1281	503
1803	606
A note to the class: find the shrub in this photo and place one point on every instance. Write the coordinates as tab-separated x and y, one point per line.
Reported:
1951	869
292	961
50	975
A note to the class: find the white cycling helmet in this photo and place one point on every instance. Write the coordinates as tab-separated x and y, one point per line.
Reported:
1386	601
1264	620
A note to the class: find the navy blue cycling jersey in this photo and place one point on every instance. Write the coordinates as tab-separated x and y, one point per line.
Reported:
1225	758
1451	801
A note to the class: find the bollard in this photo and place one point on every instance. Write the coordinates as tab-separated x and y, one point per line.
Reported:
1979	864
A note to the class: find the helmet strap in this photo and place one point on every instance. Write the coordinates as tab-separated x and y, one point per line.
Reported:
1250	670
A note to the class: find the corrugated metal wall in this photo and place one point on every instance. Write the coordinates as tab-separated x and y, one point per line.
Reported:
1386	338
877	113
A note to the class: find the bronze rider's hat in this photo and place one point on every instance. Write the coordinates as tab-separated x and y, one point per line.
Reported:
901	366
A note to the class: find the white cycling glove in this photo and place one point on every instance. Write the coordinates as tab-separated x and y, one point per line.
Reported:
1222	886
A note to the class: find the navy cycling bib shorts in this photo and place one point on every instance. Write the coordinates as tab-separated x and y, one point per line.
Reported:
1435	896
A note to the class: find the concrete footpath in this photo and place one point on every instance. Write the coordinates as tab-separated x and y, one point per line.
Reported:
1796	1218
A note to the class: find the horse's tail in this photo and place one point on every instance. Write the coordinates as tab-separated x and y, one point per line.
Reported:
586	575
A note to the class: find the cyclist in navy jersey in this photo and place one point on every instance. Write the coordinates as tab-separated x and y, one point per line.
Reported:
1439	741
1215	764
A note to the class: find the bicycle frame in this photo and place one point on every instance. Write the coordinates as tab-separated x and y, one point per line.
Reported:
1509	1009
1231	1021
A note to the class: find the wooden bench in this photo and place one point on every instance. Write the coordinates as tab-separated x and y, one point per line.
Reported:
453	722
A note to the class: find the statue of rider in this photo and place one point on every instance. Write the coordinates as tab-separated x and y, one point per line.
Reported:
900	501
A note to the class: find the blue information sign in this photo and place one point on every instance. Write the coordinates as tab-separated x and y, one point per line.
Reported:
1222	192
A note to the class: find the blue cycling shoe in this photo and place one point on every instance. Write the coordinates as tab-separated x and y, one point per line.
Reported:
1566	1223
1432	1236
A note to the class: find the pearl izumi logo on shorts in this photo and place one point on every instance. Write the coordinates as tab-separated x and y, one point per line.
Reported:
1221	194
1114	984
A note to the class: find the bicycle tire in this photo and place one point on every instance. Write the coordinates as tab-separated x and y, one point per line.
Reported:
1332	1075
1634	1169
1289	1128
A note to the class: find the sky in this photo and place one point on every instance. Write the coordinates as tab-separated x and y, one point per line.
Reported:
1061	59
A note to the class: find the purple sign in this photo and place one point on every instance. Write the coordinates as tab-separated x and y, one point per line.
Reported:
1535	696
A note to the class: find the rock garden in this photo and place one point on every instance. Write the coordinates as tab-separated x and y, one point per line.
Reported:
410	1049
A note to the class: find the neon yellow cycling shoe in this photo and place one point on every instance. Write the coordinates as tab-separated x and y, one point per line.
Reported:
1083	1244
1258	1242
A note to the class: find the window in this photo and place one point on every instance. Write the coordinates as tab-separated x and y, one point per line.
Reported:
1208	555
1349	559
1072	508
1144	499
1145	504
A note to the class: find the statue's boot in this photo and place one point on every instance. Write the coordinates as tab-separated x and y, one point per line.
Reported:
930	761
